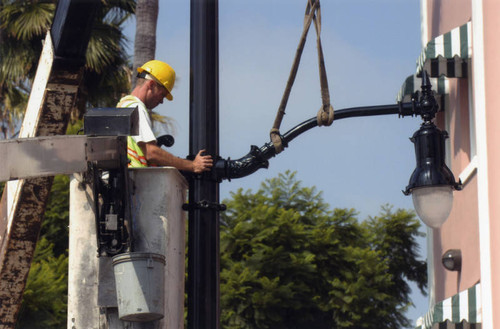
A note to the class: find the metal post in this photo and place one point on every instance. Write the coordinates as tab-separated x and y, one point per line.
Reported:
203	237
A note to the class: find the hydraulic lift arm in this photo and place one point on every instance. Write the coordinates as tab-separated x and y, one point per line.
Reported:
53	95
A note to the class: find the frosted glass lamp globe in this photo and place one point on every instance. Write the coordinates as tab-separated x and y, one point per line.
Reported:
433	204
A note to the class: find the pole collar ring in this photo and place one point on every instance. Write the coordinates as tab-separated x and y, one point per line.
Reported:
277	140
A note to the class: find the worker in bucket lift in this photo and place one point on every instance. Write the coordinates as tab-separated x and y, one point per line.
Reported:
155	80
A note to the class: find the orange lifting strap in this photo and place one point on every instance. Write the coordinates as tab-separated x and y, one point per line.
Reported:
325	113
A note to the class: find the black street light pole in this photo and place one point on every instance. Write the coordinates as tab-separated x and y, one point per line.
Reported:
203	230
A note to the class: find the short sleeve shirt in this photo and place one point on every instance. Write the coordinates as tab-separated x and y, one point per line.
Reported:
145	127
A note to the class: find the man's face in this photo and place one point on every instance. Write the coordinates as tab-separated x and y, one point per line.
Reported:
155	95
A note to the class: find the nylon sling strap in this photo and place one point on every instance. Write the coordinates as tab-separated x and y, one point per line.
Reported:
325	114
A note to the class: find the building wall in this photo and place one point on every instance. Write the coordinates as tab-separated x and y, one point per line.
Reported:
461	230
491	27
474	225
444	15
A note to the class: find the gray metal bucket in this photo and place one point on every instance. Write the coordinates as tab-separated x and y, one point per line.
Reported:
139	278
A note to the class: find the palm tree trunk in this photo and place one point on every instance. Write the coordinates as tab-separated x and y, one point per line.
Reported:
145	34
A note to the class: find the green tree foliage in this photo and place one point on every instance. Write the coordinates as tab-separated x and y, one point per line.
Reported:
45	297
56	219
287	261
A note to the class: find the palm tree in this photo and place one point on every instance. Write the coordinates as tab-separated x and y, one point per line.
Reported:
146	16
145	33
23	24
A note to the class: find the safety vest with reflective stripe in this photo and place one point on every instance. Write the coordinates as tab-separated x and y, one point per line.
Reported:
135	156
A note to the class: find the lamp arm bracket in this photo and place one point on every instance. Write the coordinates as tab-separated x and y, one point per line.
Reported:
258	158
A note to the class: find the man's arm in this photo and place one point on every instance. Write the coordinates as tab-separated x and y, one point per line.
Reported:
158	156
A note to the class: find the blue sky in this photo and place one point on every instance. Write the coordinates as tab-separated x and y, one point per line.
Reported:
370	47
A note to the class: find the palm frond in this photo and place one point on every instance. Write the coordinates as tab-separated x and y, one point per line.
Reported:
16	60
13	102
105	46
25	20
118	11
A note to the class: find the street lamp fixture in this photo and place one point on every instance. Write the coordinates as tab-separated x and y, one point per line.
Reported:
432	183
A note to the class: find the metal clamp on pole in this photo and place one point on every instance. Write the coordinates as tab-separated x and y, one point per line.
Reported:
204	204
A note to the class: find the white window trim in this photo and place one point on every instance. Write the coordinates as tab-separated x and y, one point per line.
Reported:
472	116
482	154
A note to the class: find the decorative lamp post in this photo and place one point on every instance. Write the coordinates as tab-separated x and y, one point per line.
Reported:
431	184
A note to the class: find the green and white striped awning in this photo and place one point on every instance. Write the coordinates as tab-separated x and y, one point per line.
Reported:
464	306
447	54
412	84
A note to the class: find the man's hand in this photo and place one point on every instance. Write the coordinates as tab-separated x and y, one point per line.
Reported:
158	156
202	162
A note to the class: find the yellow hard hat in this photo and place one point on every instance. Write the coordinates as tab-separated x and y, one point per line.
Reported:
163	73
